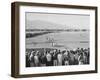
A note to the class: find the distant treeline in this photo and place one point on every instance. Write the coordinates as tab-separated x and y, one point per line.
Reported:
29	33
57	29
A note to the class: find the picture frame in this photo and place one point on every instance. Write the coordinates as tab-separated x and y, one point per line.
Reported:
40	29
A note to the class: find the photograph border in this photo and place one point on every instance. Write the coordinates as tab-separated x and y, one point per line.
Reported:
15	32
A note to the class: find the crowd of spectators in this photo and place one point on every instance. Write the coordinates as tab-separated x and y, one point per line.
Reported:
57	57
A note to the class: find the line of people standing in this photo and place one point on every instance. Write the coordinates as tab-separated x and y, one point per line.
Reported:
57	57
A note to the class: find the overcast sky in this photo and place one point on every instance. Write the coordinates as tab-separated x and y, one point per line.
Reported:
77	21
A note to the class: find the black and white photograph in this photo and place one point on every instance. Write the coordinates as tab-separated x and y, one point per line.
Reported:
54	39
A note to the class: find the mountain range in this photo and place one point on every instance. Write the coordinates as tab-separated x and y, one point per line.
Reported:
40	24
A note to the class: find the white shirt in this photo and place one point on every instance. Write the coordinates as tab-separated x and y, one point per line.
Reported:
59	57
36	60
48	56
